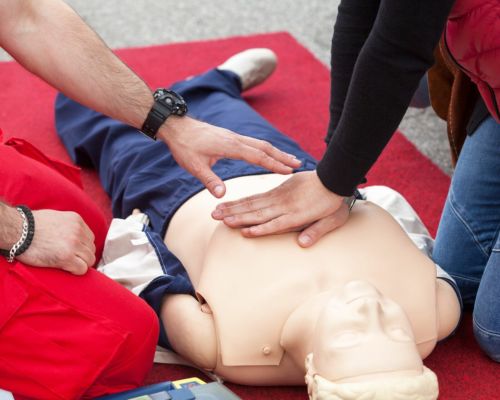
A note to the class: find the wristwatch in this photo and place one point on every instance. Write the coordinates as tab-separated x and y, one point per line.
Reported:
166	103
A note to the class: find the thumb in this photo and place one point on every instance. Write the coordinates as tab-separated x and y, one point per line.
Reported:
320	228
212	182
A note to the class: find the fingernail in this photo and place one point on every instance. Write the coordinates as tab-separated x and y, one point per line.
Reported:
305	240
219	190
217	213
229	219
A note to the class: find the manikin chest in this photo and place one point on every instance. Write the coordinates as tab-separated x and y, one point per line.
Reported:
253	285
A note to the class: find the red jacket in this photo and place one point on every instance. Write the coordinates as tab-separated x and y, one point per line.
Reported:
472	36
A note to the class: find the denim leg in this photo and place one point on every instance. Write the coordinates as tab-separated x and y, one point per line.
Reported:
470	222
486	316
467	239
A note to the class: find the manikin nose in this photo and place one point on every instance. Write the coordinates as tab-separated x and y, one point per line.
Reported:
372	309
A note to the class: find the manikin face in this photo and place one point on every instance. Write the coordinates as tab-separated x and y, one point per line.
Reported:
361	335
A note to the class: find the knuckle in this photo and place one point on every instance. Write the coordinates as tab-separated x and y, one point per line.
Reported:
228	141
249	204
266	146
209	179
275	225
74	242
261	156
254	231
195	168
69	252
337	219
235	220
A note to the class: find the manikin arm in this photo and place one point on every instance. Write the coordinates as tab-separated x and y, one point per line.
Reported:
191	330
448	309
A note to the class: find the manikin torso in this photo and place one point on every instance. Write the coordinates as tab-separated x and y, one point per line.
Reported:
264	296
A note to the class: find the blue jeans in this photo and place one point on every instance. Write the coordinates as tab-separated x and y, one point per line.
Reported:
467	243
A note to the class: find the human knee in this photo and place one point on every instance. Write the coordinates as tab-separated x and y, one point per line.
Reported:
141	327
488	340
133	361
144	327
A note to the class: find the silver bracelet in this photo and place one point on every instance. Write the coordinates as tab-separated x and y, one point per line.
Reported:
350	200
24	235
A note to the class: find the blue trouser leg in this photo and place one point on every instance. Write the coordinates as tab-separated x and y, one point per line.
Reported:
467	243
215	97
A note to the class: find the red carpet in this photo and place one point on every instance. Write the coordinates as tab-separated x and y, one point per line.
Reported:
295	99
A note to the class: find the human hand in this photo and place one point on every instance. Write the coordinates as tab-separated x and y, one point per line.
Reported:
62	240
301	203
196	146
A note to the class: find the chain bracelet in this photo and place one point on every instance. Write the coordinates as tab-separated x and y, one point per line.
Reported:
24	235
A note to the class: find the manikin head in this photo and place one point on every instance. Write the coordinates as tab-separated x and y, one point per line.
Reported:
364	348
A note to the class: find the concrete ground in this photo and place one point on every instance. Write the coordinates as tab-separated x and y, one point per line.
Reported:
124	23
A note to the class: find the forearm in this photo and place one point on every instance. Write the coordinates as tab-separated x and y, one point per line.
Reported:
353	25
48	38
394	58
10	226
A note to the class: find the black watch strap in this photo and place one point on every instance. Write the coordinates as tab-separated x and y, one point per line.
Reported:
166	103
156	117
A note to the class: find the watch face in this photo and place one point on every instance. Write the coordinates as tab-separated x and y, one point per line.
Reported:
173	101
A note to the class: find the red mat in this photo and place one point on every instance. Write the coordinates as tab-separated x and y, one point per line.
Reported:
295	99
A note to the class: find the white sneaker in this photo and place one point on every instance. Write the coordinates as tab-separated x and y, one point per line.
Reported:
253	66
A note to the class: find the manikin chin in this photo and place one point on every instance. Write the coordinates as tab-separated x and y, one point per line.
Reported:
364	348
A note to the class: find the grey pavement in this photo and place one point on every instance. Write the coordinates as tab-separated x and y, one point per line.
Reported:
125	23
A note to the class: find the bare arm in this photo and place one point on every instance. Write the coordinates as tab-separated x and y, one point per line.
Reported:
75	254
52	41
49	39
11	226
